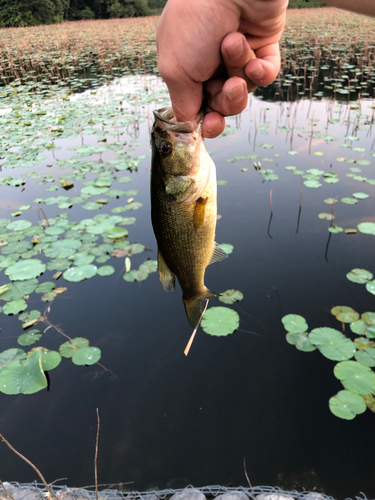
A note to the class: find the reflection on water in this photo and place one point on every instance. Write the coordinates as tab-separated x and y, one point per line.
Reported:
165	416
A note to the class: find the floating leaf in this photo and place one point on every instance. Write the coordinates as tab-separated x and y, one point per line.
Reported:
326	216
347	405
50	360
360	196
23	376
349	201
25	269
335	229
14	306
230	296
332	343
10	355
117	232
345	314
220	321
301	341
86	356
370	287
366	356
30	337
19	225
367	227
312	184
355	377
105	270
359	276
69	348
294	323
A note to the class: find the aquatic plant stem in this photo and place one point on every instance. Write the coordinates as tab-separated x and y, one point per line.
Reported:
31	465
96	453
247	477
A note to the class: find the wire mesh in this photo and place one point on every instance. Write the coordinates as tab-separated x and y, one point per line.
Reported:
37	491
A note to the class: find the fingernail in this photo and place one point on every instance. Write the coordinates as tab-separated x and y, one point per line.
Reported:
236	94
257	73
235	51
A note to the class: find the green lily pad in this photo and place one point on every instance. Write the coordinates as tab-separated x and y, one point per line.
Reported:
23	376
10	355
349	201
359	276
230	296
80	273
105	270
19	225
370	287
47	286
86	356
335	229
367	227
312	184
69	348
50	360
294	323
30	337
347	405
363	327
332	343
360	196
220	321
300	340
345	314
366	356
355	377
117	232
14	306
326	216
25	269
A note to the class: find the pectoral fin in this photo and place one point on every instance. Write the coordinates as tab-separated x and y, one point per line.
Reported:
217	255
200	209
167	278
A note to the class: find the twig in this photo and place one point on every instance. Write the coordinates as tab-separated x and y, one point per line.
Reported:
247	477
96	454
105	484
187	348
31	465
6	491
57	480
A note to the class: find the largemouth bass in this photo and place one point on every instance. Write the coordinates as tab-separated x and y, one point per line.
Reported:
183	208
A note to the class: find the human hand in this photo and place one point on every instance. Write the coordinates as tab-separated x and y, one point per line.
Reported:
218	50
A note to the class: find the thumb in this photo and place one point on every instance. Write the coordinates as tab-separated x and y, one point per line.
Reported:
186	98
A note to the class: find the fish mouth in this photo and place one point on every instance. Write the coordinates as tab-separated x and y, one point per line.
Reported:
165	119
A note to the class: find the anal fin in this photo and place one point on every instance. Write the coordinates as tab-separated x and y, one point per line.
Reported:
167	278
217	255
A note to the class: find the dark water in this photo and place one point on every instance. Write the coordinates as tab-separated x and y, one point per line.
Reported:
168	420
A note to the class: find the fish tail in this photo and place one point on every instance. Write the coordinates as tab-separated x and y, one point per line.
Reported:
193	307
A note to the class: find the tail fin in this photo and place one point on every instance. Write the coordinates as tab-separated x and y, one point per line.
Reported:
193	307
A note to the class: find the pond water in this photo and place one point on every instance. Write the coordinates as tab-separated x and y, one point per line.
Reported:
167	419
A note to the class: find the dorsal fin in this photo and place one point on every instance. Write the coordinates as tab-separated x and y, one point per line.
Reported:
217	255
167	278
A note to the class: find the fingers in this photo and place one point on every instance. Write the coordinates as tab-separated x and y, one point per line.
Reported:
213	125
237	54
264	69
227	97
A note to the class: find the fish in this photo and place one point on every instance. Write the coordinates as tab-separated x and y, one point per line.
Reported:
183	208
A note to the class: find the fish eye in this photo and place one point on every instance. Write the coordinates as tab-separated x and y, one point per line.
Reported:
165	148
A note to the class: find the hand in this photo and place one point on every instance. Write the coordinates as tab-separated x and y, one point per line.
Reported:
218	50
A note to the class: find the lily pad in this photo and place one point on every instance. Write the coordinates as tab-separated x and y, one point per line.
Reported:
25	269
360	196
366	356
355	377
332	343
69	348
10	355
301	341
23	376
14	306
294	323
230	296
86	356
347	405
370	287
30	337
105	270
359	276
367	227
220	321
345	314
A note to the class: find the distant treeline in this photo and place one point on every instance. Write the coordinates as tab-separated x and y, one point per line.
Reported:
35	12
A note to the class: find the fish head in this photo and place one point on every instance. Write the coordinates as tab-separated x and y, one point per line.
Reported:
179	155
